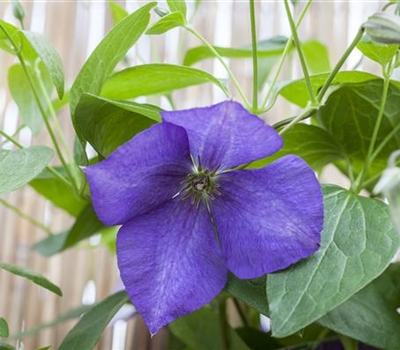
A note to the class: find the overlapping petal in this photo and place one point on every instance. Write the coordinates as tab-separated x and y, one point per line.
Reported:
170	262
225	134
268	219
141	174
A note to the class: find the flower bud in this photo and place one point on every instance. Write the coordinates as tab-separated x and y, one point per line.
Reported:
18	10
383	28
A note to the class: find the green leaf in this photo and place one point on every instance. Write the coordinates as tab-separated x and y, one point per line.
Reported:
252	292
4	332
87	224
19	167
177	5
315	145
4	42
149	79
23	96
266	48
69	315
166	23
58	192
316	56
108	53
4	346
257	340
106	124
88	330
117	11
371	313
358	243
202	330
31	276
297	93
349	115
50	58
381	53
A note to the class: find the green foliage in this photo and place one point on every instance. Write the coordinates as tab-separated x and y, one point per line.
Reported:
316	56
31	276
370	315
107	124
87	224
315	145
4	332
166	23
381	53
358	243
19	167
177	5
23	95
88	330
152	79
117	11
202	330
350	114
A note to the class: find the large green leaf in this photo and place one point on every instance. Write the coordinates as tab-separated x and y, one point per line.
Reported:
252	292
107	124
381	53
88	330
177	5
56	191
87	224
108	53
370	315
202	330
117	11
266	48
21	92
317	57
19	167
358	243
316	146
154	78
350	114
50	58
31	276
297	93
4	333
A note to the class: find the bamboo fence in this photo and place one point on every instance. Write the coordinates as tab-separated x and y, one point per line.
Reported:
89	273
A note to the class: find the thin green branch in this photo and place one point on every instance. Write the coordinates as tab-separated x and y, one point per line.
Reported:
300	53
222	61
25	216
339	64
282	61
255	56
288	123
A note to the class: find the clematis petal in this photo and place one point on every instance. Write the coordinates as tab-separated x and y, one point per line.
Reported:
225	134
170	262
141	174
268	219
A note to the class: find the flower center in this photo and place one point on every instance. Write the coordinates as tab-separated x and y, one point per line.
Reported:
200	185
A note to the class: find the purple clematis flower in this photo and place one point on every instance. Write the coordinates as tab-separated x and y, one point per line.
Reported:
189	214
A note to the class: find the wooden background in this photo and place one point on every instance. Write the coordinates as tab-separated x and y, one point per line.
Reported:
89	273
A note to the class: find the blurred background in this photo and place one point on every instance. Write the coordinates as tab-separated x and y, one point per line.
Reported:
88	273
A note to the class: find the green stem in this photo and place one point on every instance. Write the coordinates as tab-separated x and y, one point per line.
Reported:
26	216
40	106
221	60
224	325
386	83
308	112
55	173
255	56
340	63
384	142
300	52
282	61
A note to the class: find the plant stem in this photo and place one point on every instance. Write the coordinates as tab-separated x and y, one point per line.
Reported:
25	216
303	63
339	64
224	325
308	112
282	60
254	108
41	108
386	83
221	60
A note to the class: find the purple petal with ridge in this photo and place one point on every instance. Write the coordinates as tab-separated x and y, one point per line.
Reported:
225	134
141	174
268	219
170	262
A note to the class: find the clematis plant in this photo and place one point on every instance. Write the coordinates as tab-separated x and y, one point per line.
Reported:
190	212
